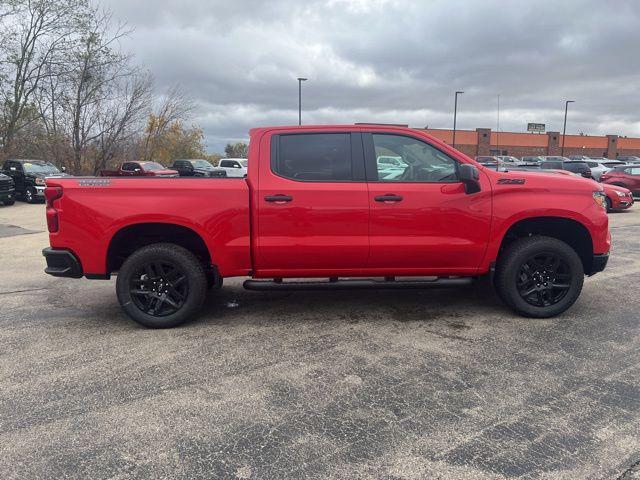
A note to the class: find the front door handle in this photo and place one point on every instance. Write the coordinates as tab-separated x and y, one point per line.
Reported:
278	198
389	197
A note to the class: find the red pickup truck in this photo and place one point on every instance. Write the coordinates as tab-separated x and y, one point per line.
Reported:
140	169
320	209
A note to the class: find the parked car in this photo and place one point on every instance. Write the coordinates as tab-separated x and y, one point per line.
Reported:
390	167
629	159
618	198
578	166
314	206
197	168
235	167
532	159
29	177
140	169
7	190
488	161
599	166
578	157
507	159
627	176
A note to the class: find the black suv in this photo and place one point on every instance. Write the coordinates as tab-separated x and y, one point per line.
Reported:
7	190
28	177
197	168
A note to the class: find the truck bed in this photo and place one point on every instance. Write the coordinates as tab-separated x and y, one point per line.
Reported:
93	210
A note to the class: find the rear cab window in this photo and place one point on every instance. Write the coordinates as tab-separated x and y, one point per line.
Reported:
318	157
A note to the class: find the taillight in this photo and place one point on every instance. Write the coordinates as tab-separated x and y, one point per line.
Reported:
51	194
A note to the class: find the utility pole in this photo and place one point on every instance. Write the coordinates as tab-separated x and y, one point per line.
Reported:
300	80
455	115
498	128
564	129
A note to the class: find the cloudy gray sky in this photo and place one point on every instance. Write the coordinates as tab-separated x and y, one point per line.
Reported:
394	61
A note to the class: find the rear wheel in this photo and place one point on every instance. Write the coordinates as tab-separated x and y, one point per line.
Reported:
539	276
29	195
161	285
9	202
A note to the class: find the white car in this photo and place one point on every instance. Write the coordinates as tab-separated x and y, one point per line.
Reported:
235	167
599	166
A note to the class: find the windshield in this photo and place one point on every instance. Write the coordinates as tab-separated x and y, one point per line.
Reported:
151	166
40	167
201	164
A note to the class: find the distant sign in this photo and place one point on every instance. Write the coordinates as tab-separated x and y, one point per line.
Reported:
535	127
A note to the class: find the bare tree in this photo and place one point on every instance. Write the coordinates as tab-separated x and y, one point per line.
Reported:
174	107
34	31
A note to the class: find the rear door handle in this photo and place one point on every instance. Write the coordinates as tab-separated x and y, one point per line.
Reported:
278	198
389	197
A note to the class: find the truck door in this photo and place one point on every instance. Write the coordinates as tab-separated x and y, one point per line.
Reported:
312	205
422	220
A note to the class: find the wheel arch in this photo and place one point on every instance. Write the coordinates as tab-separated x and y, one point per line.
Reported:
569	230
134	236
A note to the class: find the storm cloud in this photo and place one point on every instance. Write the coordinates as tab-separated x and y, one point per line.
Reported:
394	61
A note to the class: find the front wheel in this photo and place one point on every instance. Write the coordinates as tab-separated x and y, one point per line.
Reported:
609	204
539	276
29	195
161	285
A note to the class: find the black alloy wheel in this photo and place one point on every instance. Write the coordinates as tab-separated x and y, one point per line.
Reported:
159	288
544	279
161	285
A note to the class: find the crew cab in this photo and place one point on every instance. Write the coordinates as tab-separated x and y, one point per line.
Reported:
29	177
315	213
140	169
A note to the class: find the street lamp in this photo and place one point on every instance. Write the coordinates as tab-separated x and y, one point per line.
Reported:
564	129
455	114
300	80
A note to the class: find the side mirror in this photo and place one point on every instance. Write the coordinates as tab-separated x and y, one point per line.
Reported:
137	170
469	175
63	169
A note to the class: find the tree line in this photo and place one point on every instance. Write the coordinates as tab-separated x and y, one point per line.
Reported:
72	96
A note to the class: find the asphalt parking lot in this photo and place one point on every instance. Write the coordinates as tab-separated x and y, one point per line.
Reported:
364	384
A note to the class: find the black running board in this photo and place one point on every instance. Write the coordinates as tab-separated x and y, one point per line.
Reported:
355	284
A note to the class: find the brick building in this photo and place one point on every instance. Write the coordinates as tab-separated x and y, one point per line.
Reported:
484	141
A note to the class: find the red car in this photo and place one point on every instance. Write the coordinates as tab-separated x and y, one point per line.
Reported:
618	198
627	176
318	205
140	169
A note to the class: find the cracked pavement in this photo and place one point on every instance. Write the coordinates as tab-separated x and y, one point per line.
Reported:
327	385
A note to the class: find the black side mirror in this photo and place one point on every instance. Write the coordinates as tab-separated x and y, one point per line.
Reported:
469	175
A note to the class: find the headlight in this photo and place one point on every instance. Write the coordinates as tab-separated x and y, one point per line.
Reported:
621	194
600	199
40	181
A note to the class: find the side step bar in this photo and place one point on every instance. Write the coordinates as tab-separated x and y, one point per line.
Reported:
355	284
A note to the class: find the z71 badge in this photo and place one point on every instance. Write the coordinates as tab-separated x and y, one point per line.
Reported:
511	181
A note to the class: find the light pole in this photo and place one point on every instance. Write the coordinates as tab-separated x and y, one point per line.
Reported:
455	115
498	128
564	129
300	80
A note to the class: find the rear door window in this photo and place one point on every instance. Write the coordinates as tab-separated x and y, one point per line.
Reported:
320	157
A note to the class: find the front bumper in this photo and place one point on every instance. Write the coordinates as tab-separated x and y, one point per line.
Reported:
62	263
39	190
598	263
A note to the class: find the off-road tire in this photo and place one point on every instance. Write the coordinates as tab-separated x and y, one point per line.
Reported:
166	254
511	272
